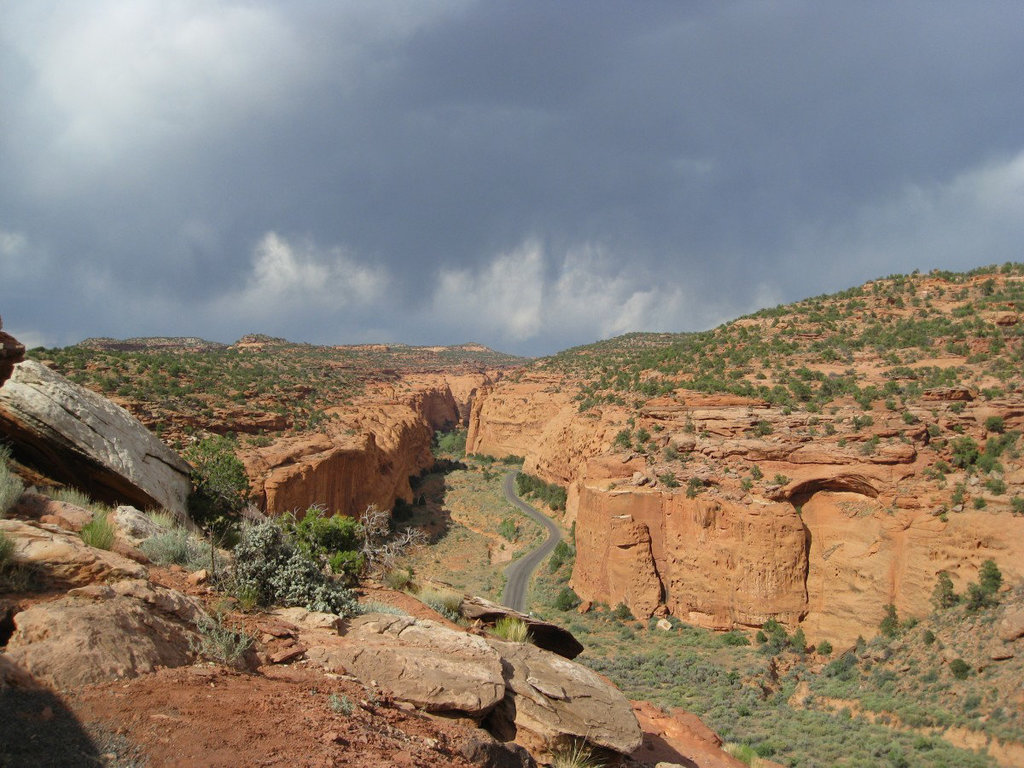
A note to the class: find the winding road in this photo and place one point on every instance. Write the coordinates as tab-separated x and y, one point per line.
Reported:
519	572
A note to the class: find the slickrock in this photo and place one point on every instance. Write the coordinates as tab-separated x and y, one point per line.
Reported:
550	701
101	633
62	558
418	661
677	737
81	438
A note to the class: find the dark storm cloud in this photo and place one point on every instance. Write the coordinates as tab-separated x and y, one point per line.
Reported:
529	175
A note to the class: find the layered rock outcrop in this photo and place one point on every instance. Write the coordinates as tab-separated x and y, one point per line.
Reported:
360	459
78	437
728	513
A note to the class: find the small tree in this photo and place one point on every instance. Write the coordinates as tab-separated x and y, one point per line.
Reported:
990	579
890	624
221	487
943	596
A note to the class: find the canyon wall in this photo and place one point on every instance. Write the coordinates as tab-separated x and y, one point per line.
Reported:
831	532
364	454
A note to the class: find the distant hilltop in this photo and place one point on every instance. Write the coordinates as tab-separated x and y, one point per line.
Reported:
152	344
256	340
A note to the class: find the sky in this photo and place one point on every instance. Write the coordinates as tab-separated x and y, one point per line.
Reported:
526	175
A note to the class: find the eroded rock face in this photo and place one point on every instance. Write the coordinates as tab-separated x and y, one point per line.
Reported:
99	633
363	459
61	558
550	701
713	563
80	438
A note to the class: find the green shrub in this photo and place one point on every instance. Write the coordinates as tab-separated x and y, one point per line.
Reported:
220	485
450	443
990	578
1017	505
576	755
271	570
219	642
509	529
445	601
98	532
622	612
669	480
735	637
995	424
928	637
567	600
11	486
943	596
177	546
512	629
890	624
6	550
555	496
825	648
959	668
331	539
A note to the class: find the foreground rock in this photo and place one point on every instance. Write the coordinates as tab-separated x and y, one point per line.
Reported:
60	558
678	737
80	438
419	661
99	633
551	702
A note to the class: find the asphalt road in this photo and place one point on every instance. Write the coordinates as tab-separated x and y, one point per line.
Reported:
519	572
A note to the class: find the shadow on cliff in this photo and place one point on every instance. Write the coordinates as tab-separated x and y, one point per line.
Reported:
428	511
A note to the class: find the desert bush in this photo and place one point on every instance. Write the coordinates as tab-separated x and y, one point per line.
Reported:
398	579
509	529
219	642
512	629
178	546
959	669
576	755
622	612
220	485
334	540
271	570
98	532
550	493
943	596
825	648
566	600
11	486
6	550
447	602
890	624
341	705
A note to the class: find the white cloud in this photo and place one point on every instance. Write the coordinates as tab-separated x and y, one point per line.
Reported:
590	295
504	296
288	278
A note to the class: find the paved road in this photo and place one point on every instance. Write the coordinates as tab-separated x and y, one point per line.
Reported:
520	571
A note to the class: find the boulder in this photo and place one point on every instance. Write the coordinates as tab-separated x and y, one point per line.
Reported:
81	438
11	352
63	558
418	661
1011	627
546	635
677	737
484	750
103	633
551	702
